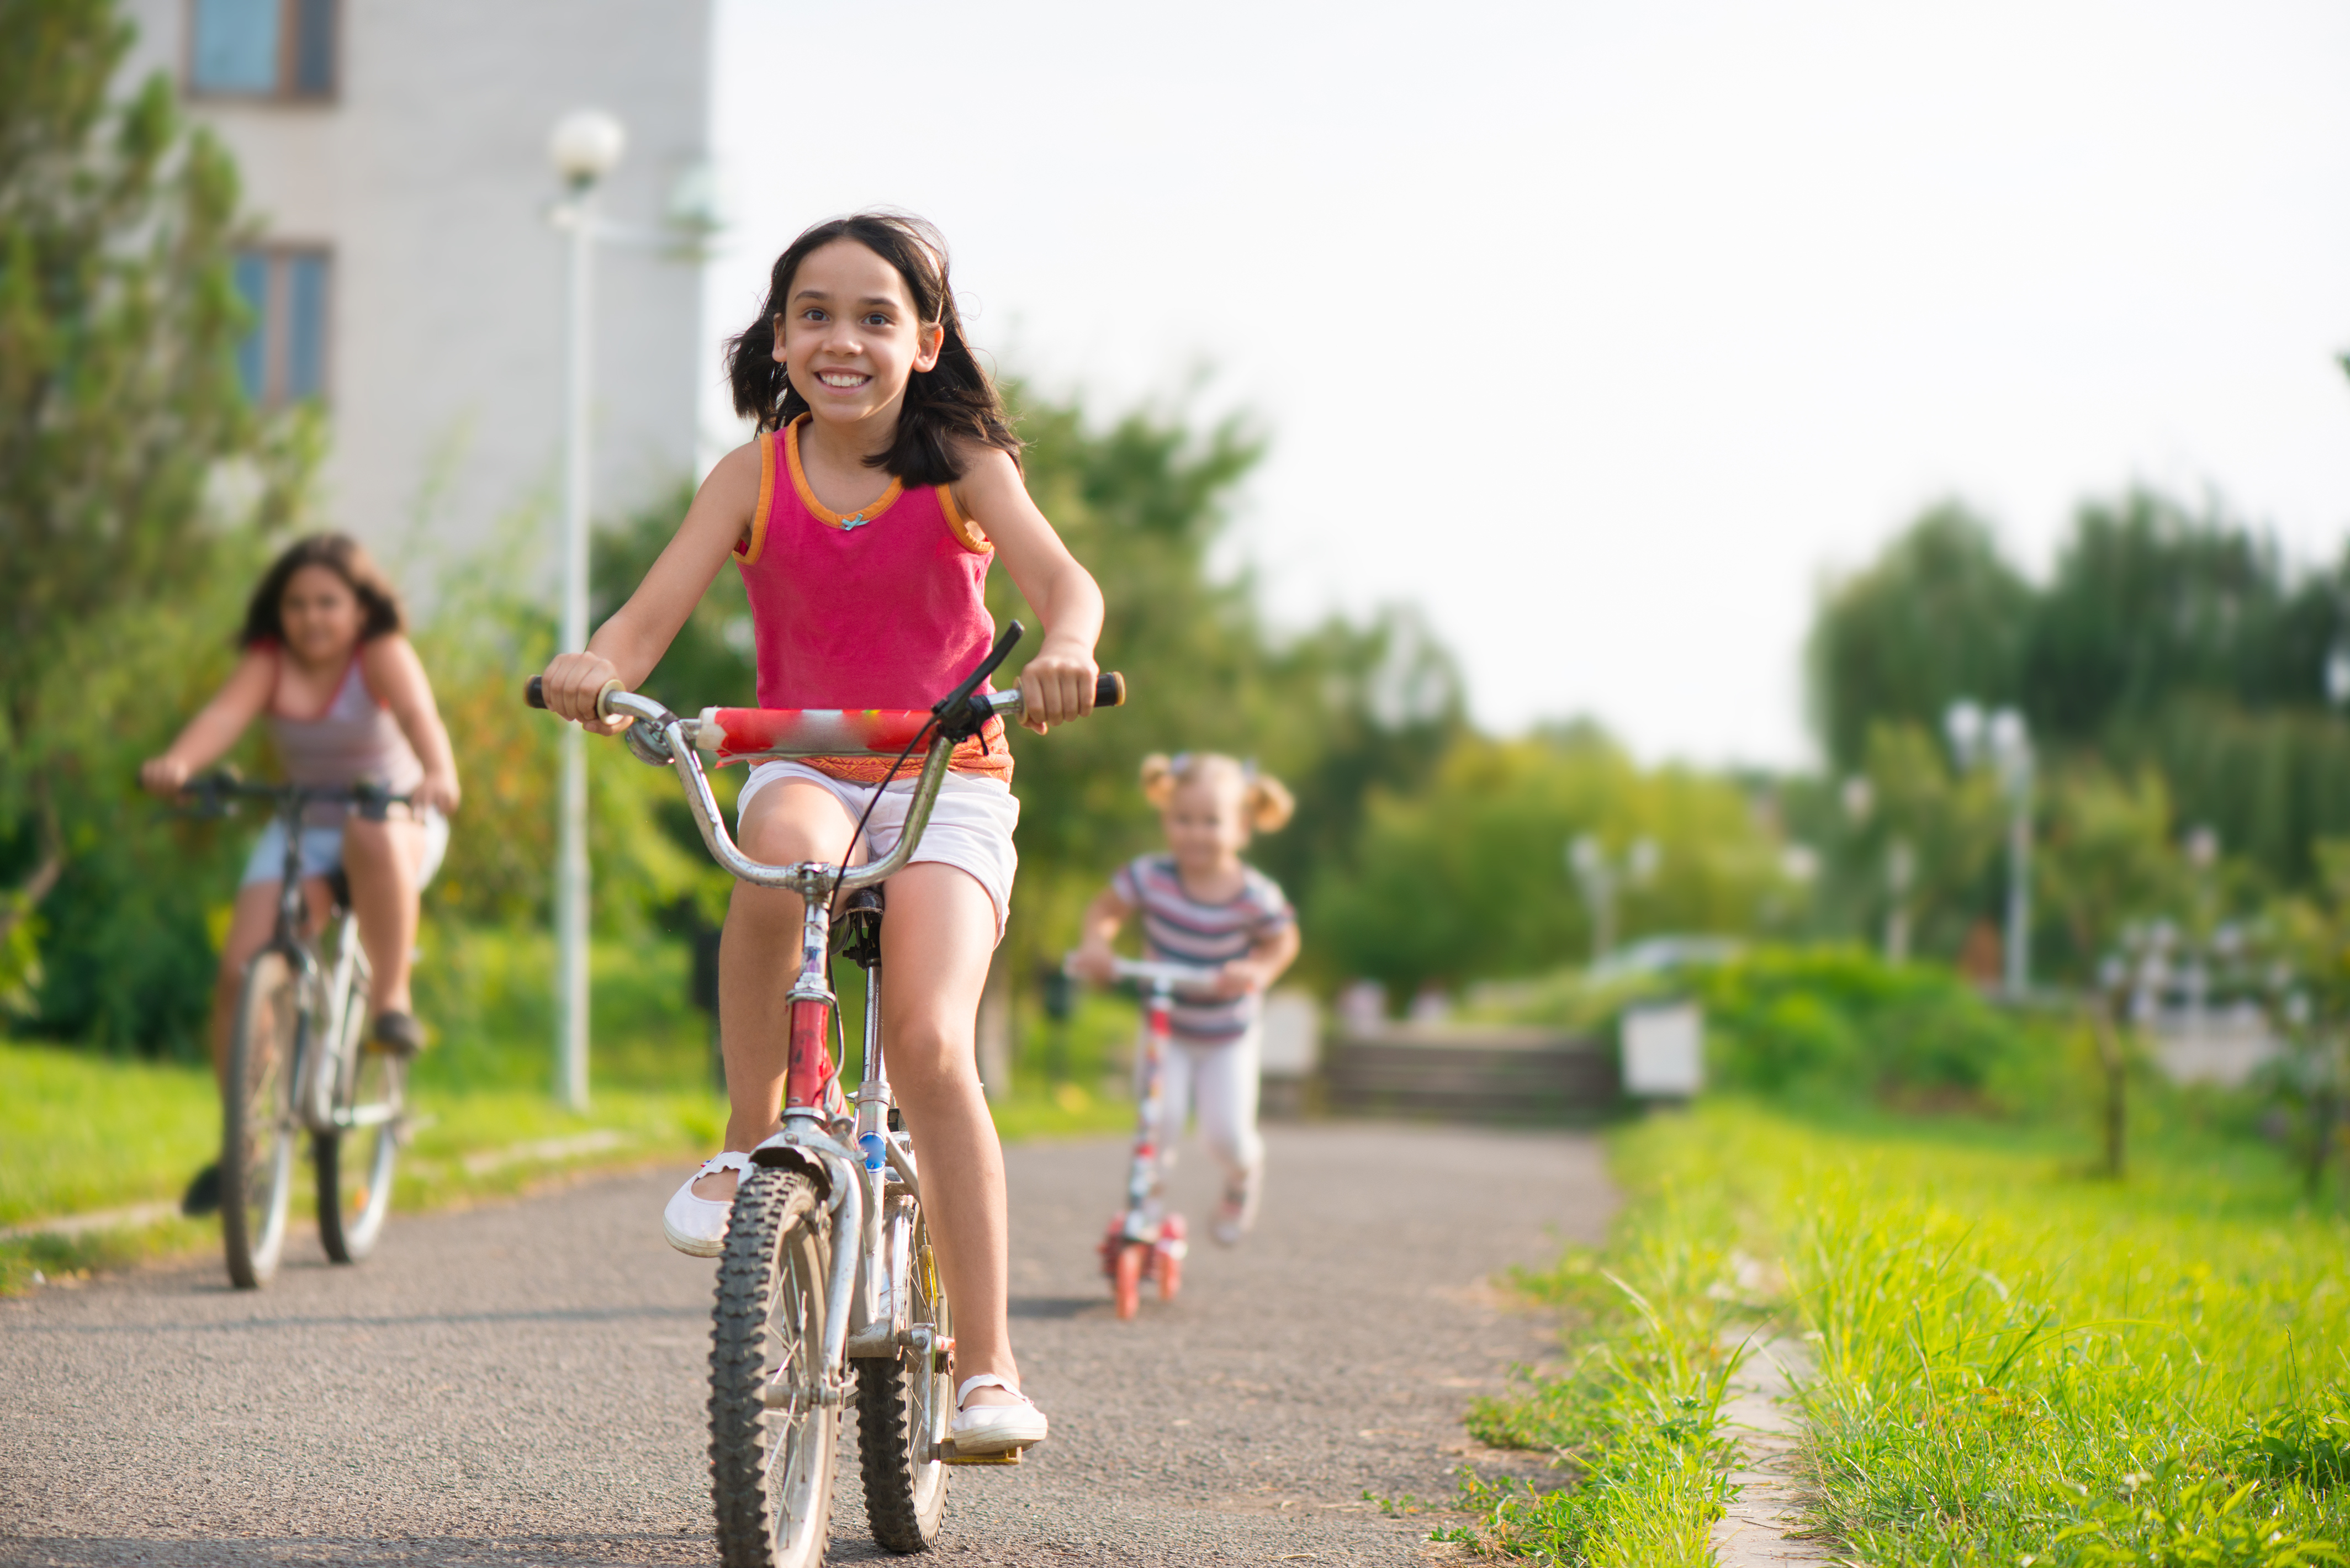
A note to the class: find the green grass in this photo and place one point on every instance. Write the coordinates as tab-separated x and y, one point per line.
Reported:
2019	1364
80	1131
2020	1361
1651	1329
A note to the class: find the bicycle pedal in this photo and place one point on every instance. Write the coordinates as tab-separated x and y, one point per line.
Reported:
947	1456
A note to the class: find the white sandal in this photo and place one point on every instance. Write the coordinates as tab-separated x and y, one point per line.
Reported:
697	1226
994	1428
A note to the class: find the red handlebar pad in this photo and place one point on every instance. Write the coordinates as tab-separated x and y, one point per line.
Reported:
755	734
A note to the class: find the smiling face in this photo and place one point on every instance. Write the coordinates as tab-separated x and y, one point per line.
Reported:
850	336
321	617
1207	823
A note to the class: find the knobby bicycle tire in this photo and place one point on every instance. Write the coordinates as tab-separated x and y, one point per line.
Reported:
771	1469
904	1407
257	1122
353	1200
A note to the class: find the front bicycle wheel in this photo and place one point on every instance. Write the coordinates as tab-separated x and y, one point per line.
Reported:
355	1161
774	1438
258	1129
904	1407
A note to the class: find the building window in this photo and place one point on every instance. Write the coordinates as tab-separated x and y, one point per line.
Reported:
283	358
263	48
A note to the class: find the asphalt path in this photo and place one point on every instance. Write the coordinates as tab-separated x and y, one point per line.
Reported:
524	1384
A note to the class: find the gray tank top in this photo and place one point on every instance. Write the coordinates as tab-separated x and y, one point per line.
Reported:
355	740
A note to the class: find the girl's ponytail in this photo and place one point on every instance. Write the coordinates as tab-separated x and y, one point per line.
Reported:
1265	801
1270	803
1159	779
949	408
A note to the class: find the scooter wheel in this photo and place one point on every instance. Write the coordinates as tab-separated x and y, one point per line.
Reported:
1127	1282
1170	1275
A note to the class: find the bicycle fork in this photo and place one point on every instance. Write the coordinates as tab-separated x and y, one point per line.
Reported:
866	1298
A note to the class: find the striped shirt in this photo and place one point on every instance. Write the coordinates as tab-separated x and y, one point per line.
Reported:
1178	929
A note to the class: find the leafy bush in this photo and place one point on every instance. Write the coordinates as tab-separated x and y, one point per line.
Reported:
1838	1023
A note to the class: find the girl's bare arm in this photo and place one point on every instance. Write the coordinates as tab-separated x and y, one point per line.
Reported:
1098	928
627	646
397	676
217	723
1057	684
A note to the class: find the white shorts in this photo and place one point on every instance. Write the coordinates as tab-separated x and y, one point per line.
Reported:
970	829
322	851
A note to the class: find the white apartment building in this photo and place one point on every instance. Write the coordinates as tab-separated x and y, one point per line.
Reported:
394	152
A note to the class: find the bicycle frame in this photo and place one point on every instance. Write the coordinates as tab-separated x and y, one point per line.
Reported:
314	1069
864	1310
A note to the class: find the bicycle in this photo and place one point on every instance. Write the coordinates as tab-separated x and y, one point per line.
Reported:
1145	1242
827	1270
298	1059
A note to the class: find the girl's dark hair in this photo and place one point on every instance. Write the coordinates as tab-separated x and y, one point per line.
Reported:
946	406
348	559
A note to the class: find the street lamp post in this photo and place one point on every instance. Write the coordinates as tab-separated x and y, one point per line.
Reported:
1600	878
584	147
2000	741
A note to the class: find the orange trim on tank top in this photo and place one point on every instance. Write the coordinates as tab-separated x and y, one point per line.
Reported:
823	514
967	533
747	550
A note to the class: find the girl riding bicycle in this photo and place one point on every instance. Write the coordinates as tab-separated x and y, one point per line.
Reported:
882	482
347	703
1201	906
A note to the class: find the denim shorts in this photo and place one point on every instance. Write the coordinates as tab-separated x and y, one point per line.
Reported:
322	851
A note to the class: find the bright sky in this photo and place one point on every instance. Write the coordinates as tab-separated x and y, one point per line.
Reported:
1606	334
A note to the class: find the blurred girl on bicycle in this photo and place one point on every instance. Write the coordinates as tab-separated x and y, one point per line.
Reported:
1203	907
882	483
325	662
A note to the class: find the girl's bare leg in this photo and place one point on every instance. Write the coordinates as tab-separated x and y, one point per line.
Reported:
758	960
380	860
935	946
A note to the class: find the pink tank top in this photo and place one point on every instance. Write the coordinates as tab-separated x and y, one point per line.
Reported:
880	608
353	740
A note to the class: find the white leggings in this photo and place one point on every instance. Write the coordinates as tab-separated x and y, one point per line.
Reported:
1220	1082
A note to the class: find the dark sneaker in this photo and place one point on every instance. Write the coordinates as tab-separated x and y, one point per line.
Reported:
203	1196
396	1035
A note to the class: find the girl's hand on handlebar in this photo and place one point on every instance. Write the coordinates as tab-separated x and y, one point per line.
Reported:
1094	961
439	793
572	682
164	776
1057	686
1241	976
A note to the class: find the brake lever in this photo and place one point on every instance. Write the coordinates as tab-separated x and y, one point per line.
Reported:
956	718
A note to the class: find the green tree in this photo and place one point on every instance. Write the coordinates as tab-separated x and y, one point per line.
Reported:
1939	615
1466	878
120	418
2107	859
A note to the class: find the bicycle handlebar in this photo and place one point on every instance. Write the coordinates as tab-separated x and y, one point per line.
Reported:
1152	973
660	736
213	790
1110	691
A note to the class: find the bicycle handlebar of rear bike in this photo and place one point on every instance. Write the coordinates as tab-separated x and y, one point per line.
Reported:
1153	974
213	791
662	738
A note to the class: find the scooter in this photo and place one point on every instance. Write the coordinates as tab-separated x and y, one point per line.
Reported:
1145	1242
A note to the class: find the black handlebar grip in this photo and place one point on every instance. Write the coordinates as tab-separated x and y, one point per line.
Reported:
1110	691
535	692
